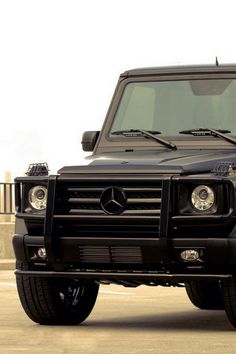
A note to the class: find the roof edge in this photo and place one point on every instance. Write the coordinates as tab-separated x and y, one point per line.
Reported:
185	69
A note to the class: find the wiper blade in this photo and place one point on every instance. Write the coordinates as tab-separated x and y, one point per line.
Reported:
147	134
133	132
219	133
203	131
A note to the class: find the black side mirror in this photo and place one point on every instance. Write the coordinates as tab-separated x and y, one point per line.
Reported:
89	140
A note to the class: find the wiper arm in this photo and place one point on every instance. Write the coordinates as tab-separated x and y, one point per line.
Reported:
220	133
223	136
166	143
148	134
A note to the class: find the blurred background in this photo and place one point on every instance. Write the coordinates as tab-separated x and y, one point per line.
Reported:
60	61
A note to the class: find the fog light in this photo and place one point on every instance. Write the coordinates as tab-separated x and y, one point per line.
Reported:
42	253
190	255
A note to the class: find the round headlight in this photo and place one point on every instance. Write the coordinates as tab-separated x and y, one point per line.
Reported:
38	197
203	198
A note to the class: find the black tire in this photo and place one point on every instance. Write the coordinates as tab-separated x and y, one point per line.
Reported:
205	294
229	298
56	301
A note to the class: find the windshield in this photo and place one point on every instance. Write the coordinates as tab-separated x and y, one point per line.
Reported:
170	107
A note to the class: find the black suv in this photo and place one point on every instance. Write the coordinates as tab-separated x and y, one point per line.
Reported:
154	204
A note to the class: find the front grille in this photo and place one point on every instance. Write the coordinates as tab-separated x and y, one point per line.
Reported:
78	210
86	201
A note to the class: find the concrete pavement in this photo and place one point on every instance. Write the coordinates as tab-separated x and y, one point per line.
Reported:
137	320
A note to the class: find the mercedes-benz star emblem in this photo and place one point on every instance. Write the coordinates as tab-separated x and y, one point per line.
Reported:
113	200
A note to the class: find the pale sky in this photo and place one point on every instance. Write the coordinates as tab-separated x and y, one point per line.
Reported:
60	61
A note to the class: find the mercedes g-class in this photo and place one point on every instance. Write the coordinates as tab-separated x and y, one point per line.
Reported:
154	204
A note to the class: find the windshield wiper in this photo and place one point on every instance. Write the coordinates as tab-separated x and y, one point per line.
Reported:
147	134
219	133
133	132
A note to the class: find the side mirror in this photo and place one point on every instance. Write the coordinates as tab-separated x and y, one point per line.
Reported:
89	140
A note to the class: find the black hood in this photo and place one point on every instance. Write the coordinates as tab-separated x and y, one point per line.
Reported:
174	162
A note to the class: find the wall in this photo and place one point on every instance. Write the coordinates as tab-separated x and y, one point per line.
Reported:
6	233
7	227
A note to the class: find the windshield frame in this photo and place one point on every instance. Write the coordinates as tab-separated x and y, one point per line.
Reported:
108	142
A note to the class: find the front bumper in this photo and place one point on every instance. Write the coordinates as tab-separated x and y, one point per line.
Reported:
141	277
158	261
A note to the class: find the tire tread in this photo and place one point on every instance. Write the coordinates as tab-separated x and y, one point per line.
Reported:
42	304
229	297
205	295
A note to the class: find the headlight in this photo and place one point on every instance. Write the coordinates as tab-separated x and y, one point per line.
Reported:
203	198
37	197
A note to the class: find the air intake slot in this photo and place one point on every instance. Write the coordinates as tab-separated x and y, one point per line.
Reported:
110	254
